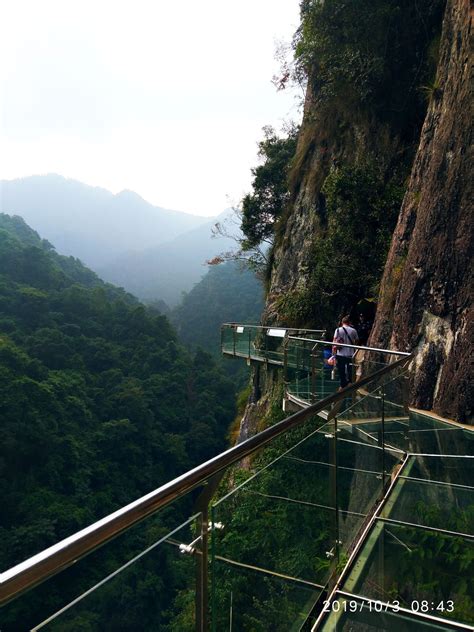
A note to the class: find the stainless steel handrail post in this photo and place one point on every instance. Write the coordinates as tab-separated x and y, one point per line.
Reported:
336	496
313	378
202	561
382	437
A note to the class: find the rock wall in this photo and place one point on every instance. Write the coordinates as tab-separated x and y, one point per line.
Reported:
328	138
427	287
425	300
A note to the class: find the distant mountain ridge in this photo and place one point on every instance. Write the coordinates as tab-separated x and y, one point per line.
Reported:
91	223
167	270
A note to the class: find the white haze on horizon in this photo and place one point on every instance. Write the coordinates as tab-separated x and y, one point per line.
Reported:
164	99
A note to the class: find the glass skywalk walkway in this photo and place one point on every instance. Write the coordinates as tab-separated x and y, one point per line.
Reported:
302	356
265	344
399	550
353	514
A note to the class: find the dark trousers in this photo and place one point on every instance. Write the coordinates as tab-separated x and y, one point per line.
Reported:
344	369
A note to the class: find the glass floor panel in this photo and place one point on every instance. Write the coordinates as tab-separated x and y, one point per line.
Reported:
247	599
428	435
438	505
454	470
411	565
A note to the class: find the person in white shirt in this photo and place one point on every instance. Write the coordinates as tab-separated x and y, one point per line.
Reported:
345	334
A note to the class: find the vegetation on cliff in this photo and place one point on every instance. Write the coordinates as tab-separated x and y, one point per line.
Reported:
371	56
266	204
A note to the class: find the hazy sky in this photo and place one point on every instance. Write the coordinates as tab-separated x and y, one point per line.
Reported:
164	97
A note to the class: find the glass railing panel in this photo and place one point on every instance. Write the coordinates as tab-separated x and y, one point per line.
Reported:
363	362
375	417
362	409
274	347
301	370
359	485
133	596
246	598
299	354
439	505
418	434
250	341
414	565
311	387
244	341
325	380
299	385
282	519
368	362
227	339
395	433
348	613
133	582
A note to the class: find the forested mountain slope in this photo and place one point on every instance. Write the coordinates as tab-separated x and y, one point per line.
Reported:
99	404
165	271
89	222
227	293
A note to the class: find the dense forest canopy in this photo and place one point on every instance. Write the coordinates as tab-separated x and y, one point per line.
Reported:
228	293
270	195
99	402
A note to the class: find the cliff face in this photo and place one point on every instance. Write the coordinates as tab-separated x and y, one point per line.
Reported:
333	158
426	292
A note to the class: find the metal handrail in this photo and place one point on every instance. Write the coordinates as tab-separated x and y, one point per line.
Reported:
361	347
50	561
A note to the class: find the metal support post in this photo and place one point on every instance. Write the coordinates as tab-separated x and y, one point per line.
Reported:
313	378
336	495
382	436
333	554
202	561
405	387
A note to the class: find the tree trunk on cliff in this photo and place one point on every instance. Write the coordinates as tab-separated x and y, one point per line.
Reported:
426	292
